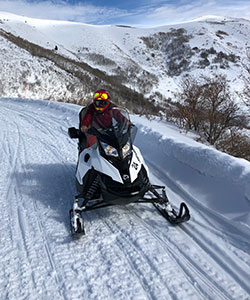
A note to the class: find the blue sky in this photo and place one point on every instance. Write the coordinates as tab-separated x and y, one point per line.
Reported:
139	13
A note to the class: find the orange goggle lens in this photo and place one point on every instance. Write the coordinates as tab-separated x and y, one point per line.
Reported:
101	96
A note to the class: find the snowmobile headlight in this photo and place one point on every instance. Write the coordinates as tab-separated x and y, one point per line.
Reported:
109	150
126	150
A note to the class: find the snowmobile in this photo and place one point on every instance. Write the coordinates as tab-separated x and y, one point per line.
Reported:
113	172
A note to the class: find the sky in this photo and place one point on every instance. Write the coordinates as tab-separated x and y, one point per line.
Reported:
138	13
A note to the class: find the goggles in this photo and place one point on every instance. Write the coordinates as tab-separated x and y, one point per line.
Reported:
101	96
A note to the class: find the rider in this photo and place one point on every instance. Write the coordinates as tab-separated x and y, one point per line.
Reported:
100	111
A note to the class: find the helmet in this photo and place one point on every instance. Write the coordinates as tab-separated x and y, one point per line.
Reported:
101	100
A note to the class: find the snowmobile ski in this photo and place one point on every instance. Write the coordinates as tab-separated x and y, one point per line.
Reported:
76	220
163	205
169	213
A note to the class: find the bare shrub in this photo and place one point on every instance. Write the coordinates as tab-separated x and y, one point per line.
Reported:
188	108
221	34
235	143
205	105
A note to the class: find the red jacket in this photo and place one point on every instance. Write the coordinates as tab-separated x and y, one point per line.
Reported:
101	119
104	119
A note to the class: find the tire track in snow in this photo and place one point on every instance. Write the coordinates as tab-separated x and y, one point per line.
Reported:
44	128
45	242
134	241
33	210
195	274
22	230
13	230
113	263
239	271
16	226
226	261
134	258
223	260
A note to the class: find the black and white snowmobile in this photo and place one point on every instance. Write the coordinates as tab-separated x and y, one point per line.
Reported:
113	172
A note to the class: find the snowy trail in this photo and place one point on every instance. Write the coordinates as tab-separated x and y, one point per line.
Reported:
226	243
129	252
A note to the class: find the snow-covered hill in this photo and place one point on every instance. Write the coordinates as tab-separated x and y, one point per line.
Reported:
74	58
129	252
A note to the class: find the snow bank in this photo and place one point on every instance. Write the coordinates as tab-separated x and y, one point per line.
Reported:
204	159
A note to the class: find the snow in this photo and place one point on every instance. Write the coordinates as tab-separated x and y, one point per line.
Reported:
118	47
129	252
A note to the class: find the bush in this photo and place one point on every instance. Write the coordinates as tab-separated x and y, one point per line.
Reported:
221	34
205	105
235	143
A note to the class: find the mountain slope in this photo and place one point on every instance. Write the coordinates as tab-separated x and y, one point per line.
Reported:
149	61
129	252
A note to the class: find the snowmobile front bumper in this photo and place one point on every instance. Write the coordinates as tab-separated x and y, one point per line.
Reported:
121	198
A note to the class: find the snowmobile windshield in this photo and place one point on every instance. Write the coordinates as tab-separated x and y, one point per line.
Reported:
113	127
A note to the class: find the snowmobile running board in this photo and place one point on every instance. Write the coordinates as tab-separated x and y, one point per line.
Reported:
160	202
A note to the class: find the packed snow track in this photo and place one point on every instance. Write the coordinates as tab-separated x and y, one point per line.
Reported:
129	252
